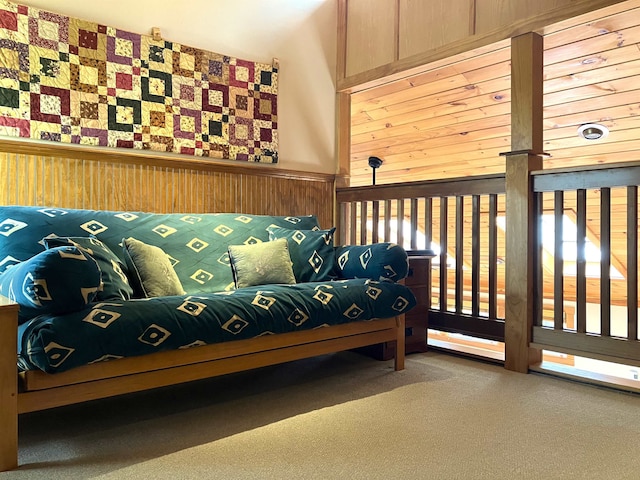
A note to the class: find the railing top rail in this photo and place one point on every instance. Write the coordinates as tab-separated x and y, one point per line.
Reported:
449	187
585	177
571	178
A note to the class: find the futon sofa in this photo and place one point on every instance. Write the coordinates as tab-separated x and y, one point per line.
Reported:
114	302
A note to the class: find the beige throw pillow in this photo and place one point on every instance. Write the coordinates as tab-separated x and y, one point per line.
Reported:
156	275
261	263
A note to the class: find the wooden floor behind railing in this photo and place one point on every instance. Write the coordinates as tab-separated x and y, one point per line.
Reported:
109	179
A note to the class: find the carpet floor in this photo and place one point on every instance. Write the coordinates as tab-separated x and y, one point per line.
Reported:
344	416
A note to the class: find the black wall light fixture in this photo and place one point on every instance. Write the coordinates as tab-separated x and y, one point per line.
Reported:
374	163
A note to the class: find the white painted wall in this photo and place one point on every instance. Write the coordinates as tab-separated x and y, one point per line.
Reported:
300	33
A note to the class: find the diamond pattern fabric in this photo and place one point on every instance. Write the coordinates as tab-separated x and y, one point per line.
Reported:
195	243
58	343
54	281
312	252
212	310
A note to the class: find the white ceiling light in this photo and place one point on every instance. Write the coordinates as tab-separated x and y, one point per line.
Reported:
593	131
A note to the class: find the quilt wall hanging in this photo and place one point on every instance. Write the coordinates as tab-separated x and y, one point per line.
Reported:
67	80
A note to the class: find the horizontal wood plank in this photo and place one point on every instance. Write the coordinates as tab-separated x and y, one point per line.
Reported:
613	349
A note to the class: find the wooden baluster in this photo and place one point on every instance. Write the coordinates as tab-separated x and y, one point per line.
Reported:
353	223
493	256
581	261
428	237
459	253
428	222
375	219
605	261
558	261
414	223
444	223
400	222
632	263
387	221
363	223
475	255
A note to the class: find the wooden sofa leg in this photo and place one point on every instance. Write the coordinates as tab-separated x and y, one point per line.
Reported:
400	343
8	385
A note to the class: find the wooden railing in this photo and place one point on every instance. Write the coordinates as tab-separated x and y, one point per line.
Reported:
467	295
603	205
585	303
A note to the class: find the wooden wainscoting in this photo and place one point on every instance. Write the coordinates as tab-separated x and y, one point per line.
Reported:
68	177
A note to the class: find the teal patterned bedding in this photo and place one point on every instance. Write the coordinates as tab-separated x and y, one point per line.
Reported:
110	330
76	312
196	243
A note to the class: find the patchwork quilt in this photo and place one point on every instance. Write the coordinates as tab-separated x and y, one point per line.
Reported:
68	80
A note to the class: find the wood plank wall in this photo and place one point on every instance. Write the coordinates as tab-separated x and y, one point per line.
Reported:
444	123
69	178
421	27
454	120
387	39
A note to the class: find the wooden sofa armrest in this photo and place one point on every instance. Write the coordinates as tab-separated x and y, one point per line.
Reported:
8	384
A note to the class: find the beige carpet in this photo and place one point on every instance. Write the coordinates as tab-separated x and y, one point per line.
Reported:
345	416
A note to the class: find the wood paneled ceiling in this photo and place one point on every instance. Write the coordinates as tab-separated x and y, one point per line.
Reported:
455	120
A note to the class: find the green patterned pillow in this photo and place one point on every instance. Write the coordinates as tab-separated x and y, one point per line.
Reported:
59	280
377	261
150	269
261	263
311	251
114	278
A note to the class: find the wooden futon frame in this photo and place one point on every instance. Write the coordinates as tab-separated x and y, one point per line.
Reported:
35	390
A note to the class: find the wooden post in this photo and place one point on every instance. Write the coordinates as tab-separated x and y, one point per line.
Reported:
343	123
343	154
341	61
521	218
8	385
343	138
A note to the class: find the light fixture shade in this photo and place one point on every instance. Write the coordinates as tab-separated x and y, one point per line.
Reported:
374	163
593	131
